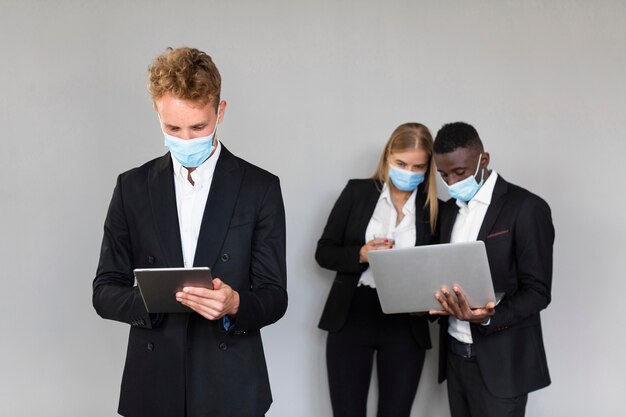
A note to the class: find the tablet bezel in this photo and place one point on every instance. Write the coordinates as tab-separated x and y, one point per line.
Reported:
158	286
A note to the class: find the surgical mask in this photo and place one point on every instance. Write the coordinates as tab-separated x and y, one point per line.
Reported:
405	180
191	153
466	190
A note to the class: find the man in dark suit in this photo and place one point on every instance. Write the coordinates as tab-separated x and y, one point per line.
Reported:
198	205
494	356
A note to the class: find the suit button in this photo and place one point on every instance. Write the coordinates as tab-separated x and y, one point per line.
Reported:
150	346
223	346
225	257
151	259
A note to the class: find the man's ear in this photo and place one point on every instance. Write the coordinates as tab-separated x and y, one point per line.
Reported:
221	109
484	160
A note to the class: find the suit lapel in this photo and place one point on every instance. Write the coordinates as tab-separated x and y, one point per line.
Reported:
497	202
162	196
368	208
447	218
219	209
422	224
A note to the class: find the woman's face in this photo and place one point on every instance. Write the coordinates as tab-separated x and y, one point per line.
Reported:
414	160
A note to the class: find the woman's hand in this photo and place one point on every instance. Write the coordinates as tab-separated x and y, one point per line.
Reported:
374	244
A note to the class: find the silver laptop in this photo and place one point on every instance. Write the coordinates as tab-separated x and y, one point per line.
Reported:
407	279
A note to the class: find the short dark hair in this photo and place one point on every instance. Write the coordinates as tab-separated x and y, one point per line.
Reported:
456	135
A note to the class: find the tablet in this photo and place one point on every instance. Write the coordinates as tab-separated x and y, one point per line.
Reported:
406	279
158	286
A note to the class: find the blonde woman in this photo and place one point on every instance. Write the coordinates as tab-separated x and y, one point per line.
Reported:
397	207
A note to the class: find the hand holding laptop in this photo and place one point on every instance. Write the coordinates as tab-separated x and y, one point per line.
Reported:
407	278
456	305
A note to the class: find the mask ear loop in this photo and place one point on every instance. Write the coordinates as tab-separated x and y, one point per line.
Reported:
482	174
214	134
217	121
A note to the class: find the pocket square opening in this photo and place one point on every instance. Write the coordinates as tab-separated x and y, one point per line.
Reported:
502	232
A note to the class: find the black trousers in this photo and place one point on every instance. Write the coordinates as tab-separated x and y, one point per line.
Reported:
350	357
469	397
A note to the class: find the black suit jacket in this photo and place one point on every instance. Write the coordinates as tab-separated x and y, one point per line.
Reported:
338	250
518	234
183	361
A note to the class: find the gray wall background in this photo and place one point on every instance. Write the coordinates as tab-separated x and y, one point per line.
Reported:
314	90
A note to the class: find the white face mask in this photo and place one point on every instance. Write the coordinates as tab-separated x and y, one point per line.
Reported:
466	190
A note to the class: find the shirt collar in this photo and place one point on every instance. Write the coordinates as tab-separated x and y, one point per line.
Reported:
484	194
409	206
203	172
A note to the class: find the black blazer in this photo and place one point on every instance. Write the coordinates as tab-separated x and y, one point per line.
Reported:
518	234
173	359
338	250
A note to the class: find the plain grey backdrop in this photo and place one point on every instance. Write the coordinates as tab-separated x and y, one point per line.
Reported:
314	88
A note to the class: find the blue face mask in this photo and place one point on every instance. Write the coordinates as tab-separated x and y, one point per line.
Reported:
466	190
405	180
191	153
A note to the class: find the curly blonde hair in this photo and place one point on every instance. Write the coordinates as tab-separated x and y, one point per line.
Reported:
186	73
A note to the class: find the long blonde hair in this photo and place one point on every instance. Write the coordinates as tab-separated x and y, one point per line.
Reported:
409	136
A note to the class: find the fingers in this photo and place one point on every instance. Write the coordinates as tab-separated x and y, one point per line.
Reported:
442	301
457	305
201	303
216	293
374	244
451	301
464	308
378	244
384	244
206	311
363	254
209	297
480	315
461	297
476	315
198	291
212	304
217	284
446	302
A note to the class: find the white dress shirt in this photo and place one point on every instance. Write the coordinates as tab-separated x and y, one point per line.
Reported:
469	219
191	201
383	223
